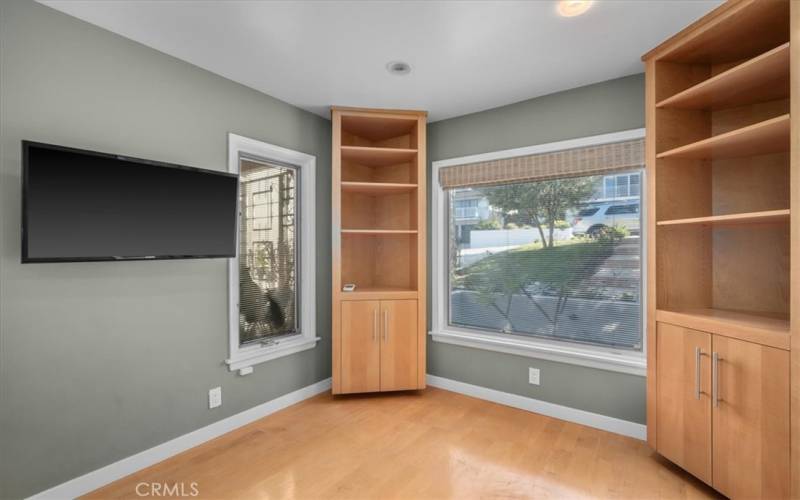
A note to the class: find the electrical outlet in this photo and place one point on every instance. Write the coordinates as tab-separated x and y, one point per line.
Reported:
215	397
533	376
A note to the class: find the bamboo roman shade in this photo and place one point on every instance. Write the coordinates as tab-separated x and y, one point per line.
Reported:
577	162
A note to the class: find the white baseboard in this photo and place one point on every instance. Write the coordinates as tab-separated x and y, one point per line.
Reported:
105	475
582	417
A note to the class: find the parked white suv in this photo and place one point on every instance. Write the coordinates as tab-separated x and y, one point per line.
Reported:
592	218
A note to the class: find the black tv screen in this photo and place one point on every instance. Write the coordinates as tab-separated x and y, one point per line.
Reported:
82	205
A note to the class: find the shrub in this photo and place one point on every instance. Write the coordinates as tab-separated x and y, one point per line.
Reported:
561	224
511	225
488	224
612	234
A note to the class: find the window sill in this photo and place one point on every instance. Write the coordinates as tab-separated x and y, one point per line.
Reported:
630	363
247	357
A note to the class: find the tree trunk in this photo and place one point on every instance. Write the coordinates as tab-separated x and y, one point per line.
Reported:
550	243
538	224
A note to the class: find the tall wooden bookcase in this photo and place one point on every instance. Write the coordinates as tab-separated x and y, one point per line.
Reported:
379	245
723	332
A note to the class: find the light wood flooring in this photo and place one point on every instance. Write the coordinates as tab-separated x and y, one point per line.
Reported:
431	444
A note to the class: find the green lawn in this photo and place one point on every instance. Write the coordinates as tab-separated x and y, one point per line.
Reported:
562	267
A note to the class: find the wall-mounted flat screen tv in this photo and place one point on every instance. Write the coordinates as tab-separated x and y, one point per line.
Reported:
82	205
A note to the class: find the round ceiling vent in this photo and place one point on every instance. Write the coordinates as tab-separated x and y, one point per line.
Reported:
398	68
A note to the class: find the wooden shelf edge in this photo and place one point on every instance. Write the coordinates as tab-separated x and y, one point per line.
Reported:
765	67
379	294
404	151
733	219
762	330
379	231
371	112
377	156
771	129
377	186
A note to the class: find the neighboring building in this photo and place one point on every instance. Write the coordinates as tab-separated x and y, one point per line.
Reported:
618	187
470	207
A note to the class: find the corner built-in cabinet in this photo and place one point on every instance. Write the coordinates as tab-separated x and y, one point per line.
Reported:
378	224
723	337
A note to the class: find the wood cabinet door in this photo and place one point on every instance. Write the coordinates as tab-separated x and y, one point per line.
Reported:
751	420
683	388
360	346
399	345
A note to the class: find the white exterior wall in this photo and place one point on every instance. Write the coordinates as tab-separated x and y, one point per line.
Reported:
511	237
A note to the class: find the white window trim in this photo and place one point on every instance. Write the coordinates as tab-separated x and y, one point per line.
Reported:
244	357
566	352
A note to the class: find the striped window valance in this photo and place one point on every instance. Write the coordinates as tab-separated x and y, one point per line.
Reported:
591	160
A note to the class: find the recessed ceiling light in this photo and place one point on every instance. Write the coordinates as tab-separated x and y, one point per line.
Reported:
398	68
572	8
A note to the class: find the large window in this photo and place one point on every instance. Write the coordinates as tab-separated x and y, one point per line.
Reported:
552	268
552	265
272	279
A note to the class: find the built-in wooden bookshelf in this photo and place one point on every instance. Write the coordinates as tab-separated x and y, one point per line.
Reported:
723	248
379	245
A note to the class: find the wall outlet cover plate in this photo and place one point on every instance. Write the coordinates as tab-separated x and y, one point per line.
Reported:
215	397
534	376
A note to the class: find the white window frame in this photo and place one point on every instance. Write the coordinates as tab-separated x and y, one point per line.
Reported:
243	357
604	358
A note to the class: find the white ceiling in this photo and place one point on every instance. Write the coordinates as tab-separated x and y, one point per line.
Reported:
466	56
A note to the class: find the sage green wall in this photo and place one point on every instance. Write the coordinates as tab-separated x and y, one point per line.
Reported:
99	361
595	109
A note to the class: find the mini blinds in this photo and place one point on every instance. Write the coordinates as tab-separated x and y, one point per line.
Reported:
546	249
267	251
591	160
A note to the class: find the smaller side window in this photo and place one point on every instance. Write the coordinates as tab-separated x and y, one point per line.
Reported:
588	212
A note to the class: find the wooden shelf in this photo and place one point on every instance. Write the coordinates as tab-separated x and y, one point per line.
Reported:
763	329
769	216
377	187
378	293
379	231
731	32
770	136
377	157
763	78
378	128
